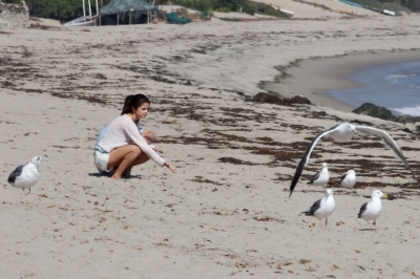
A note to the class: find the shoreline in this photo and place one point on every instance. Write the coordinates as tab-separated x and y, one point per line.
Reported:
329	73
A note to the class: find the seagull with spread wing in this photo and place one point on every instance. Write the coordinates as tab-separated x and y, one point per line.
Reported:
342	133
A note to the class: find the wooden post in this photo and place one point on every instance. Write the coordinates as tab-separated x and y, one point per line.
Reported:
84	9
99	13
118	19
90	10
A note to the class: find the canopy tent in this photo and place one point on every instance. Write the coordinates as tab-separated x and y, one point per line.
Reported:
125	6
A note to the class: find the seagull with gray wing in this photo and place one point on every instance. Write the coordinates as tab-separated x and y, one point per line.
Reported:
372	209
26	176
322	208
322	177
348	180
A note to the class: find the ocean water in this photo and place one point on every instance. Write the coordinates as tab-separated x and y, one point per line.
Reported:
394	86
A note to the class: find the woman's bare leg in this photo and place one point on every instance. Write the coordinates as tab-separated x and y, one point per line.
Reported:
124	158
141	160
149	136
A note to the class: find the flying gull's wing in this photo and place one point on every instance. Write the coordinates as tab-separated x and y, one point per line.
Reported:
387	139
306	156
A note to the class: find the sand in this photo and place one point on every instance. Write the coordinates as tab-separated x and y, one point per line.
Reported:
226	213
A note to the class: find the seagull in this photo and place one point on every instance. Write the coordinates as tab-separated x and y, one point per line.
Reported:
322	208
26	176
372	209
342	133
348	180
322	177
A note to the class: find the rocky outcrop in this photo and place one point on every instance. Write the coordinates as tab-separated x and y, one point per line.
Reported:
14	16
271	99
384	113
375	111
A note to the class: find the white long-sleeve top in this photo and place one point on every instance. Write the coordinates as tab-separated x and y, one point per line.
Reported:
122	131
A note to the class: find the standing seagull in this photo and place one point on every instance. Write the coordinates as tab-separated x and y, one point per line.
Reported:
322	208
342	133
372	209
26	176
322	177
348	180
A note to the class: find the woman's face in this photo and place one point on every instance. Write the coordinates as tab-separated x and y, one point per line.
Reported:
141	111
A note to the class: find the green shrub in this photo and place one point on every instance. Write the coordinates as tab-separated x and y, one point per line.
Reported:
12	2
199	5
266	9
249	8
223	9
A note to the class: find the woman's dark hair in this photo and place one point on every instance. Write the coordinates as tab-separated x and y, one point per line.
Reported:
134	101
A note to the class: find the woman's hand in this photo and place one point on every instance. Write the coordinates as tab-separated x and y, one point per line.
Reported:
166	164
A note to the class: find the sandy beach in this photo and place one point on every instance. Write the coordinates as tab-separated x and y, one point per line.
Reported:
227	212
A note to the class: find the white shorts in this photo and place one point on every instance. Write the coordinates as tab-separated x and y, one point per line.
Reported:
101	158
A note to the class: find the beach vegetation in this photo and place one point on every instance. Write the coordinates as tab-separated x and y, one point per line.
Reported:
265	9
233	6
223	10
199	5
61	9
224	6
19	2
397	6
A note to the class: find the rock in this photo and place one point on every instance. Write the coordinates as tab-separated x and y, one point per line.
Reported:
375	111
262	97
300	100
384	113
406	118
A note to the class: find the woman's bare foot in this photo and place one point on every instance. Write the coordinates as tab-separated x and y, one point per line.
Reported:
111	173
127	173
